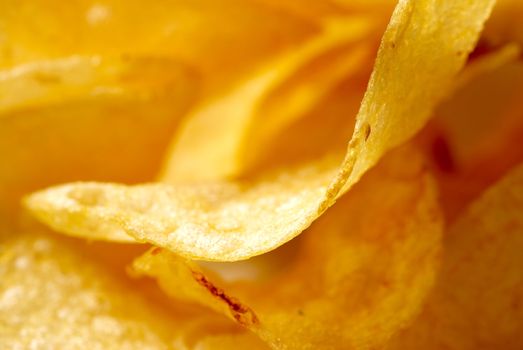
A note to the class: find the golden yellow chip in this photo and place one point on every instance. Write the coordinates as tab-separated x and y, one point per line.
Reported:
233	221
476	303
487	63
360	273
52	297
87	117
203	33
222	136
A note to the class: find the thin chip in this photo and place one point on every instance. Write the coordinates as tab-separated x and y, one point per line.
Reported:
476	303
234	221
243	33
51	297
87	117
357	285
241	340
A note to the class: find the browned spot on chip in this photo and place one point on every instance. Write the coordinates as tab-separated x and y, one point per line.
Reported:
241	313
366	130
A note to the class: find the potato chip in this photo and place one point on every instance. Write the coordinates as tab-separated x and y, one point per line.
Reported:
219	138
223	39
233	221
51	297
87	117
356	286
325	128
476	303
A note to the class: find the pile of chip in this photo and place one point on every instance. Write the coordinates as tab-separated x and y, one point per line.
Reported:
257	174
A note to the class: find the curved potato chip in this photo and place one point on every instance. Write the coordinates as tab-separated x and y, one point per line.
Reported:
326	130
45	83
218	138
357	285
222	38
87	117
53	295
233	221
314	10
476	303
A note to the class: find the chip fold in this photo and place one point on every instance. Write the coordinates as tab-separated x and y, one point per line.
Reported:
359	273
227	221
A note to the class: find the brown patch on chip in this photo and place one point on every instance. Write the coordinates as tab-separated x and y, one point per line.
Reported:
241	313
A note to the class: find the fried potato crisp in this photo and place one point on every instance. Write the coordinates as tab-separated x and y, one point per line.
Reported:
261	174
232	221
87	117
360	274
476	303
52	298
223	39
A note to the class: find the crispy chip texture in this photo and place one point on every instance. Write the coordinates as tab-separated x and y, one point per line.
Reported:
505	25
87	117
243	174
476	303
360	274
52	298
53	295
233	221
